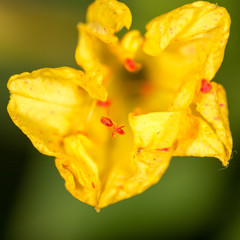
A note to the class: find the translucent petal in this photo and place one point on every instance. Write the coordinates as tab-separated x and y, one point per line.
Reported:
79	170
201	22
213	108
44	105
92	54
131	43
184	96
205	128
96	58
154	135
107	17
197	138
97	46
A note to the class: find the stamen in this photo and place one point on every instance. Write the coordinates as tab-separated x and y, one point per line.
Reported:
91	110
118	130
130	65
107	103
106	121
206	86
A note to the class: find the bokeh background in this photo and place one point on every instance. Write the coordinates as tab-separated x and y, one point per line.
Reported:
195	199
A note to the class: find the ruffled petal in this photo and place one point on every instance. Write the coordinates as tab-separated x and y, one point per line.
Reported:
97	58
205	128
98	48
213	108
184	96
154	136
97	41
197	138
106	17
45	104
203	25
79	170
131	43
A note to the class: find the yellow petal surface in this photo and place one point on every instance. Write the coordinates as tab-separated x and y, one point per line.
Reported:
213	108
105	17
79	170
205	128
96	58
197	138
131	44
154	135
184	96
201	22
97	45
44	105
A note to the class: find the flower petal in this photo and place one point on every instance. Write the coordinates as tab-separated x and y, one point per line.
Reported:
106	17
91	53
201	22
79	170
96	58
205	128
184	96
131	43
154	135
97	47
156	130
44	105
197	138
213	108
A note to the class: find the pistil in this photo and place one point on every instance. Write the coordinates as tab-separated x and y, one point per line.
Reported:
109	123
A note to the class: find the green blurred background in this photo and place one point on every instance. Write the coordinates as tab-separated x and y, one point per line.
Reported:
196	198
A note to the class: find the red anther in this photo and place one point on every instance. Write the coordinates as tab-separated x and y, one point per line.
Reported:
162	149
93	185
118	130
106	121
130	65
206	86
104	104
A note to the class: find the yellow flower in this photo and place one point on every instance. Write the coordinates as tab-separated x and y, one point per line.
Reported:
114	127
